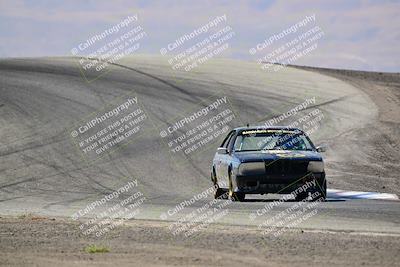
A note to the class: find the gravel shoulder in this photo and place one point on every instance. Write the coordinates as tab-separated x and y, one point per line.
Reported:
39	241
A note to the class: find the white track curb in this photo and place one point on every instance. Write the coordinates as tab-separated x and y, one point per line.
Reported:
342	194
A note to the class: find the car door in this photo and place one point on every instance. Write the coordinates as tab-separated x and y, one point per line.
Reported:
219	157
225	159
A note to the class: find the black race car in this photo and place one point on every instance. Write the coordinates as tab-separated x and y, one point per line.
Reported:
260	160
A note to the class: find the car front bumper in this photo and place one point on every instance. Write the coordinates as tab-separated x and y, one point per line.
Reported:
278	184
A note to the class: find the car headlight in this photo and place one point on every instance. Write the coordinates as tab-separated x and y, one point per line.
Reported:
249	168
315	166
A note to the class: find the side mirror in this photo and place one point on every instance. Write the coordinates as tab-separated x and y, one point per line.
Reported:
222	150
321	148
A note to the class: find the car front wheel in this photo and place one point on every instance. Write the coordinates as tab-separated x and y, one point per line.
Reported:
234	196
321	189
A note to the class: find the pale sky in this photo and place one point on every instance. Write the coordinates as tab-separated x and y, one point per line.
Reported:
362	35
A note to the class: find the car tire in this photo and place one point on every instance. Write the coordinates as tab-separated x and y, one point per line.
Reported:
220	193
240	196
321	188
234	196
301	196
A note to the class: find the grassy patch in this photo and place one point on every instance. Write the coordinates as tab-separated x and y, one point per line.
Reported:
96	249
24	216
31	216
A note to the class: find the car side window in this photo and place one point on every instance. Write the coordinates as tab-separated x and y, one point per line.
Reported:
227	139
230	141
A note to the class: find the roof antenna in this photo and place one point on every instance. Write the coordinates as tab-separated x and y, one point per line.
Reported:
247	125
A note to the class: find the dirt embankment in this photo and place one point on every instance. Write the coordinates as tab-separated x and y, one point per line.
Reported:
374	150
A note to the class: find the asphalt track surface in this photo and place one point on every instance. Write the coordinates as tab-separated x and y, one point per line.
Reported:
42	99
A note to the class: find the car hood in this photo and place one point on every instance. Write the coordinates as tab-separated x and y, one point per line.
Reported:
253	156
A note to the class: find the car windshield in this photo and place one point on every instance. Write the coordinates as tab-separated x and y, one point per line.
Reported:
257	140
